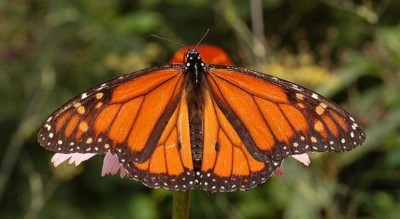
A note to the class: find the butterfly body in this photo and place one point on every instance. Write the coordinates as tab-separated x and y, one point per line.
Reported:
197	125
195	83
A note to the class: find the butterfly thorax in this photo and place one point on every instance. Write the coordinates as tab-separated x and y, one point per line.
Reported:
195	83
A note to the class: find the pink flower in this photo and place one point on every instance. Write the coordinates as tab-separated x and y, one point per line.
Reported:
302	158
111	164
76	158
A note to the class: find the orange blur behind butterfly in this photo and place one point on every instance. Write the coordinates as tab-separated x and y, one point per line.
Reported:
210	55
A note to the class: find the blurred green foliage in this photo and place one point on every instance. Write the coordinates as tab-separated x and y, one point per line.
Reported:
346	50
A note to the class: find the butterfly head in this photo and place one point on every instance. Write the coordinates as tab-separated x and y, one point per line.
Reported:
194	65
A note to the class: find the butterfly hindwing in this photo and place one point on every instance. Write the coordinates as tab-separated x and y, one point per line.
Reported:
227	165
170	163
282	118
141	117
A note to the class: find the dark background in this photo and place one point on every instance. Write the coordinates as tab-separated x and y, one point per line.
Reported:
348	51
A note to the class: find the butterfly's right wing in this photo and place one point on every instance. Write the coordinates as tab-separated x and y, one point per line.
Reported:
276	118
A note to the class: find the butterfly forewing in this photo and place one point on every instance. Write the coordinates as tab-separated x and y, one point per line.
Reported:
227	164
118	115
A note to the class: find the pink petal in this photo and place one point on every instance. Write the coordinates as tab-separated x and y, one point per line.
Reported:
122	172
111	165
115	167
303	158
76	158
279	171
108	163
58	158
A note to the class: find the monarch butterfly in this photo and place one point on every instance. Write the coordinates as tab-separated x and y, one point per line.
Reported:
198	125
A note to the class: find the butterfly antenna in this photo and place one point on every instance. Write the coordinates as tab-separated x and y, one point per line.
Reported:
202	38
168	40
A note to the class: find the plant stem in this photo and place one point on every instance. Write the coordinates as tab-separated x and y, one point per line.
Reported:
180	205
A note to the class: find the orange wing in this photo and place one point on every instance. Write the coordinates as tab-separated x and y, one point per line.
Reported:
140	117
275	118
170	164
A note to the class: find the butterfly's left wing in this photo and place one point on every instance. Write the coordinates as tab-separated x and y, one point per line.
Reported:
275	118
138	117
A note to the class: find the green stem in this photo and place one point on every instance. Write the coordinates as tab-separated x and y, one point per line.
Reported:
180	205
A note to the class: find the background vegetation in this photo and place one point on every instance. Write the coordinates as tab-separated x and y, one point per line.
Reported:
52	50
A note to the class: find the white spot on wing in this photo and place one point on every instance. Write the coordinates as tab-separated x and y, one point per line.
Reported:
315	96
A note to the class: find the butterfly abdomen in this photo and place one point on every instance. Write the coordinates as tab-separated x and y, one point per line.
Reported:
196	137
